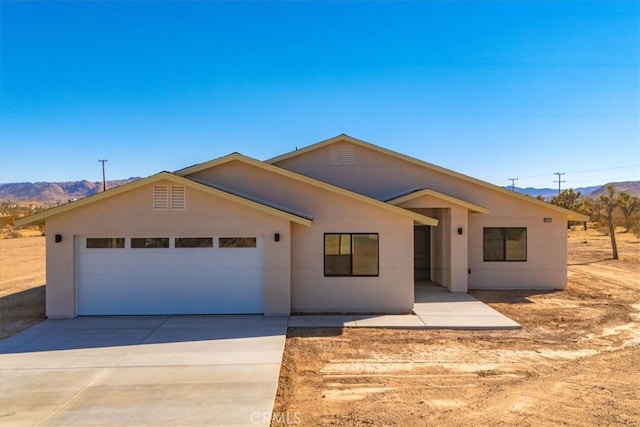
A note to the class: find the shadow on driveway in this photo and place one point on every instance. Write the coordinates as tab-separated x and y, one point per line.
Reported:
114	331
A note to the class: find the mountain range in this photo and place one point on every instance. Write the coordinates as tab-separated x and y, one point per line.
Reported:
55	193
631	187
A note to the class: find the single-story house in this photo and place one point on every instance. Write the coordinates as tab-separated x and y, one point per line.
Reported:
339	226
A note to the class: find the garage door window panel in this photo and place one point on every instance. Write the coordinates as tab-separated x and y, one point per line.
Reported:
237	242
194	242
105	242
149	242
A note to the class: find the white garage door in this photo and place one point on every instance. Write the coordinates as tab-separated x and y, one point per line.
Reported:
118	276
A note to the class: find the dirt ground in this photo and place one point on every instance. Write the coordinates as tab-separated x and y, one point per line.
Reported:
576	362
22	278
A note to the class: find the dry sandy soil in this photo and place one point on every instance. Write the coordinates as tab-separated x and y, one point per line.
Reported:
22	278
575	362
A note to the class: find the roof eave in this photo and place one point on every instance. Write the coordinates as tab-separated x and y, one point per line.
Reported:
572	216
575	216
302	178
42	216
190	170
427	192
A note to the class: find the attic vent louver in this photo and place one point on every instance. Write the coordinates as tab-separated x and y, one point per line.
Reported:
336	155
165	197
160	197
343	155
177	197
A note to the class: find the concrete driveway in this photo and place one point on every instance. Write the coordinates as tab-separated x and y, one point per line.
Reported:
136	371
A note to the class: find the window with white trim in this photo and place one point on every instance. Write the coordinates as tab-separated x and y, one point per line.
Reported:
169	197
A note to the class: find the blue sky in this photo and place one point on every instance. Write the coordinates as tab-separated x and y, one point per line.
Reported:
495	90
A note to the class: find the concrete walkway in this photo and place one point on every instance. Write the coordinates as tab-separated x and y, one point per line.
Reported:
142	371
440	309
434	308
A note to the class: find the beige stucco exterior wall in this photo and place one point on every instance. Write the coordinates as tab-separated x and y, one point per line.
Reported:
546	265
378	175
131	215
391	292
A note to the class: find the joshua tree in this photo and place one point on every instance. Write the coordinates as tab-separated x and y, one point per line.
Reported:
568	199
628	205
607	203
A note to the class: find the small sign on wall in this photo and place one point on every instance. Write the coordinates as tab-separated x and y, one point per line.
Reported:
547	220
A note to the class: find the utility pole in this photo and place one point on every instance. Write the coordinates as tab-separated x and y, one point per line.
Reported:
513	183
559	181
104	181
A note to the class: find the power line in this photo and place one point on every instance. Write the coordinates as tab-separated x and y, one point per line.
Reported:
559	181
588	171
611	179
104	181
513	183
605	169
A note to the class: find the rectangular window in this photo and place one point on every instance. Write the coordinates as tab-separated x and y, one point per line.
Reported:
105	242
237	242
194	242
351	254
505	244
149	242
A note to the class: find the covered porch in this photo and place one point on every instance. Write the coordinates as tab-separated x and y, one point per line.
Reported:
441	253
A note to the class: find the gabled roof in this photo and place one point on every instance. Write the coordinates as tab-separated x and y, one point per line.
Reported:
571	215
279	211
255	199
422	219
415	193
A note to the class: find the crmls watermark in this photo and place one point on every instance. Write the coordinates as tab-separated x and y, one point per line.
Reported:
283	418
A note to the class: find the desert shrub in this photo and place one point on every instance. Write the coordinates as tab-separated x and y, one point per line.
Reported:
601	227
13	234
6	221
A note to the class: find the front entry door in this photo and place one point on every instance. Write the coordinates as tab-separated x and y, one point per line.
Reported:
422	253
